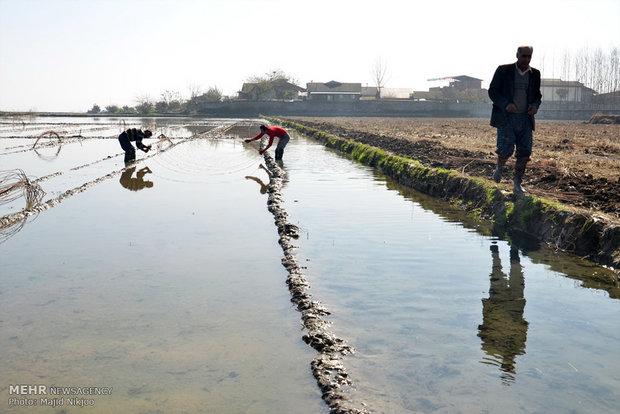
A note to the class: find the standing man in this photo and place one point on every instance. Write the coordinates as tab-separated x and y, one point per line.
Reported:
272	132
136	135
515	92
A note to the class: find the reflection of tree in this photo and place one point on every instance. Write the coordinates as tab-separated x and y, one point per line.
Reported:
503	330
137	183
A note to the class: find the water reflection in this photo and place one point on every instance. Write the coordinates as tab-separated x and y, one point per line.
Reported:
136	183
263	186
10	230
503	330
48	157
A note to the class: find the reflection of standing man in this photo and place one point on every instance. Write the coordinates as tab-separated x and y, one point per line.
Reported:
273	132
503	330
137	183
515	92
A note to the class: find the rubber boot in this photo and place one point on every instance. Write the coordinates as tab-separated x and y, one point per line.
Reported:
130	155
497	175
279	153
520	164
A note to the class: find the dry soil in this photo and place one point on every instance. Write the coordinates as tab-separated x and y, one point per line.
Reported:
573	162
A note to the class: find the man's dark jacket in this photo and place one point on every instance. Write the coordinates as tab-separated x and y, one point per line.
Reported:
501	93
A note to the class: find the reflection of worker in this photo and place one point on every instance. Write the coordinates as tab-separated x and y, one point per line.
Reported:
503	330
263	186
136	135
137	183
515	92
273	132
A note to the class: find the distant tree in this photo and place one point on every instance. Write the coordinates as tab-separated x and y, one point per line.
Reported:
170	102
161	107
127	109
379	72
272	84
175	106
213	94
595	68
195	90
614	69
272	76
94	110
112	109
145	105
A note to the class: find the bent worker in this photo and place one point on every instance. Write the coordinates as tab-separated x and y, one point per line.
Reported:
516	96
273	132
133	134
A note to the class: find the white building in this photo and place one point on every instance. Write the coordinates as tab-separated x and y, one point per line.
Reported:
557	90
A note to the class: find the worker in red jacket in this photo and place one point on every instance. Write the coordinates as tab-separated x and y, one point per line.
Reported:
273	132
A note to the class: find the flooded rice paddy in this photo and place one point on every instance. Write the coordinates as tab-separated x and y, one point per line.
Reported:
165	283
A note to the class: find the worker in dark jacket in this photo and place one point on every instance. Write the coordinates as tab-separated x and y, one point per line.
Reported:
136	135
515	92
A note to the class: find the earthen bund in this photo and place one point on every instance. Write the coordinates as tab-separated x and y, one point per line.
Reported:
593	237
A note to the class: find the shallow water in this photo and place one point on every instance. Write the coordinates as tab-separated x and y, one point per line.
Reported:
445	319
172	294
168	287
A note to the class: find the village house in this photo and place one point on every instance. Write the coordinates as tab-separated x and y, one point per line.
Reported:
557	90
396	93
464	82
334	91
461	88
369	92
372	93
610	98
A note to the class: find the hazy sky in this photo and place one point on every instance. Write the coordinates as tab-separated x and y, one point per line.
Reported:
66	55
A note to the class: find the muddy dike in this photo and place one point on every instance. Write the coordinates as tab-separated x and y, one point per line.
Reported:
327	367
592	237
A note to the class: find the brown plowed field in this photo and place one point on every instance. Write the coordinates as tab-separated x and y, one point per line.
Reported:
573	162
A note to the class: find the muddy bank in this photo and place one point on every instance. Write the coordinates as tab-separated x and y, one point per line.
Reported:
574	163
327	367
604	119
594	237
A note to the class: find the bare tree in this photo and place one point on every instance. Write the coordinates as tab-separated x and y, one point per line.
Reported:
170	102
145	104
614	64
195	90
273	76
213	94
170	96
271	85
594	68
379	72
598	62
